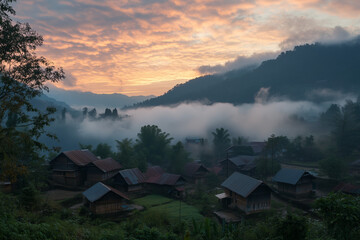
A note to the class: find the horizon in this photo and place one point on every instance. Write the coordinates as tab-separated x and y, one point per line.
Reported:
146	48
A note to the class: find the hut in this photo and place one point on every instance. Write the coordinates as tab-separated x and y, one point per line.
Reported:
245	193
294	182
195	172
101	170
166	183
243	163
129	180
103	199
69	168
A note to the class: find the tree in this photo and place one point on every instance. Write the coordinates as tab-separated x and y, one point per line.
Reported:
221	142
23	76
292	227
178	158
341	214
333	166
103	150
153	144
126	153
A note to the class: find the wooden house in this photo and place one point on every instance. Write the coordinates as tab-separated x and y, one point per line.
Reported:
164	183
103	199
243	163
101	170
195	172
69	168
129	180
245	193
294	182
348	188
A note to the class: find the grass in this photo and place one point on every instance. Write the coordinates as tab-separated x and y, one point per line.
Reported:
157	204
152	200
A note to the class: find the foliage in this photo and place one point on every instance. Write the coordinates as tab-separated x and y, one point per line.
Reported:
153	144
178	158
341	214
23	76
333	166
266	167
126	153
292	227
103	150
221	142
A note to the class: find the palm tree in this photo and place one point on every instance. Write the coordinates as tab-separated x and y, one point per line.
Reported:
221	142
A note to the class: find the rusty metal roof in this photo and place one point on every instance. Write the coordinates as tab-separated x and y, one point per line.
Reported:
154	171
107	165
99	190
80	157
348	188
241	184
132	176
166	179
191	168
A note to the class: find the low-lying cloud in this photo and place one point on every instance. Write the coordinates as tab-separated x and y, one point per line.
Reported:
254	121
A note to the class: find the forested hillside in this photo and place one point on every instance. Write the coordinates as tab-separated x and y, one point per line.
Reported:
301	74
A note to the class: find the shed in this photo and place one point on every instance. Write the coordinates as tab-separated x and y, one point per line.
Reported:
103	199
101	170
294	182
243	163
245	193
69	168
129	180
195	172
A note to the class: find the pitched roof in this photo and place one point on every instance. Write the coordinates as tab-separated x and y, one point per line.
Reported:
290	175
99	190
80	157
348	188
245	162
165	179
257	147
154	171
241	184
107	164
191	168
132	176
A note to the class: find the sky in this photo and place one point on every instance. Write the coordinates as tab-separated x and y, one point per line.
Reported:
146	47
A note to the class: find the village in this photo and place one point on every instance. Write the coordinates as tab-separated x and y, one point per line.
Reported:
110	190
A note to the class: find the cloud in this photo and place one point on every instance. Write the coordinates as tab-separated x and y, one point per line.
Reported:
240	62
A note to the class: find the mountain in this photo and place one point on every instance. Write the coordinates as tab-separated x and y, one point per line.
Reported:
314	72
88	99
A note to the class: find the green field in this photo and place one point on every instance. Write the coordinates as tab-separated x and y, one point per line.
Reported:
156	204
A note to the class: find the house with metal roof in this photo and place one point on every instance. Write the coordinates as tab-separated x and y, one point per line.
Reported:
103	199
245	193
245	164
69	168
294	182
195	172
129	180
101	170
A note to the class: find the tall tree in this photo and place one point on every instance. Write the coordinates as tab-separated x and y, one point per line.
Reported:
23	76
153	144
126	153
178	158
221	142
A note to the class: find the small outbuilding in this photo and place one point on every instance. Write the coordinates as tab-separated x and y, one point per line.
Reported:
129	180
245	193
101	170
69	168
243	163
294	182
103	199
195	172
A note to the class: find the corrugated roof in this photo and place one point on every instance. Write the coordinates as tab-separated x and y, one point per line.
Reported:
165	179
80	157
132	176
107	164
191	168
348	188
241	184
289	175
99	190
257	147
154	171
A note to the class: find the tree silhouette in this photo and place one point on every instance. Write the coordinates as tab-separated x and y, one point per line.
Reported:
221	142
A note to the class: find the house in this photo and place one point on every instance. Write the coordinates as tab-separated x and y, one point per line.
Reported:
294	182
161	182
348	188
354	168
244	164
103	199
69	168
245	193
129	180
101	170
195	172
257	147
